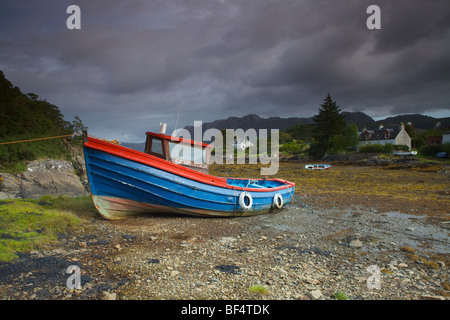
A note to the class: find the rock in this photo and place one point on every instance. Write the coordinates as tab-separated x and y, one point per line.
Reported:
404	283
355	244
42	177
227	240
9	186
109	296
316	294
174	273
297	296
430	297
311	280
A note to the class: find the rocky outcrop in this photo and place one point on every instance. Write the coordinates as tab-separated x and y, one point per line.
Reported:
42	177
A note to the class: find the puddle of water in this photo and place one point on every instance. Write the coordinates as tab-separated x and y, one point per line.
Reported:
391	229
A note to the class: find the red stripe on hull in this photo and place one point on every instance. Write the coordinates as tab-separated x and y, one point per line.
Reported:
168	166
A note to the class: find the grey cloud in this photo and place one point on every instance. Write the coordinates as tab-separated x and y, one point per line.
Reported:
142	59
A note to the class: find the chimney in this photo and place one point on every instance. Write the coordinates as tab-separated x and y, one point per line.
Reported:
402	126
380	126
162	128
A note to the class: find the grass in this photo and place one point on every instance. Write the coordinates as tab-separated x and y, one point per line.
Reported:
28	224
258	289
340	296
13	168
80	206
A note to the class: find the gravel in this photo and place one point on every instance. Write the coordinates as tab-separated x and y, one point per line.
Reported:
297	254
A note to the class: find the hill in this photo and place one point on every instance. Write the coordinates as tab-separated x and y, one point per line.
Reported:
359	118
256	122
418	120
252	121
25	116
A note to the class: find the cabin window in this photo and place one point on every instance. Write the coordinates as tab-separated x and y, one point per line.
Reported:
157	146
186	153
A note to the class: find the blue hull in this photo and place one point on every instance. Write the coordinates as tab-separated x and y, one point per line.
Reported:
121	187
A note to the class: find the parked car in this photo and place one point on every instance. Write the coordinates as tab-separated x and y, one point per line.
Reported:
441	155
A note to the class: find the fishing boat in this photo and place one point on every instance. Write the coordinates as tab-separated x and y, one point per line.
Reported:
171	176
317	166
405	153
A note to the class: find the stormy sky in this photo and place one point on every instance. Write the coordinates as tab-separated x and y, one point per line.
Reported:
136	63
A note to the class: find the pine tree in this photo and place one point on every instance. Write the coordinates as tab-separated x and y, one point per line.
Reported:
329	123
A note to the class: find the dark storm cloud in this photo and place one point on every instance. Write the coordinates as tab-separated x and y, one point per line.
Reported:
136	63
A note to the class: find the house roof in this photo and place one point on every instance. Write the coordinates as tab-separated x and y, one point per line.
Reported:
379	134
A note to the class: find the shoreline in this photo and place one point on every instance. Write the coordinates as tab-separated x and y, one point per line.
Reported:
320	252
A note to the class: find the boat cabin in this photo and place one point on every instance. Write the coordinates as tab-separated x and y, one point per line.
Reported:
188	153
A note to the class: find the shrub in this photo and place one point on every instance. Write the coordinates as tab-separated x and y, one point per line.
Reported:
340	296
371	148
432	150
293	147
381	148
258	289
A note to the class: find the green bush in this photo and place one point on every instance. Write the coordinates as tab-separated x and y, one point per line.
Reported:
371	148
380	148
293	147
432	150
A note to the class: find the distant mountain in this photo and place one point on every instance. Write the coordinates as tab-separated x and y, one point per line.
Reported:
359	118
256	122
252	121
418	121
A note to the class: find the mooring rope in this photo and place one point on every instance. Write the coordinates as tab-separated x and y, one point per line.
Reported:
306	206
45	138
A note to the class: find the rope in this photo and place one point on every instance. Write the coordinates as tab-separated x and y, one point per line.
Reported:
37	139
110	141
306	207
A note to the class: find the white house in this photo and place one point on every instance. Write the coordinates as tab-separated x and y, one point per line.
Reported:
446	137
243	144
395	136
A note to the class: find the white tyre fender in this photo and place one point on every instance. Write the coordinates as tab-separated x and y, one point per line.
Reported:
278	201
245	200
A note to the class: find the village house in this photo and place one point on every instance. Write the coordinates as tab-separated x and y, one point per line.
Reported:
394	136
434	140
446	137
242	144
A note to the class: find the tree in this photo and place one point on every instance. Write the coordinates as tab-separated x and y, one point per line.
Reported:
347	141
77	125
25	117
329	123
301	132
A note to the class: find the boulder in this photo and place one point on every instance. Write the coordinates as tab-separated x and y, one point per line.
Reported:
42	177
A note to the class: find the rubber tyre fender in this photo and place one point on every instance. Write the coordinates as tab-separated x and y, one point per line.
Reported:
278	201
245	204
